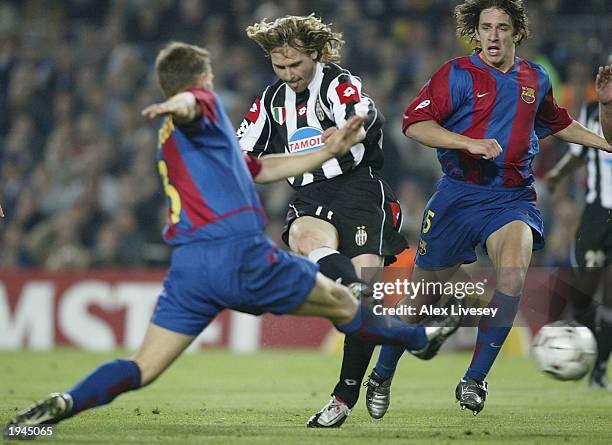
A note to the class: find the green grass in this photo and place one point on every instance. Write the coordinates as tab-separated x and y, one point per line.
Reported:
216	397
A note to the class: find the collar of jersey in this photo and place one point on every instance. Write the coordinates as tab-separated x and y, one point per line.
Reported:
477	60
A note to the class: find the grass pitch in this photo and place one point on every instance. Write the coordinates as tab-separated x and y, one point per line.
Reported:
216	397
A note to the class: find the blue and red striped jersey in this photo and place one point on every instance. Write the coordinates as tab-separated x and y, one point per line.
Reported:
206	178
516	108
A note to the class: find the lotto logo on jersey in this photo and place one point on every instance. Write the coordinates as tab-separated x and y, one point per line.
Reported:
305	139
347	92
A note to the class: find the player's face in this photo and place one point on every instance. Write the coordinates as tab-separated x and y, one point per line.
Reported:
293	67
496	36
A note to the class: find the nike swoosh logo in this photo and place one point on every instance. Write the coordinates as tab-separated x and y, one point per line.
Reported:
493	345
479	95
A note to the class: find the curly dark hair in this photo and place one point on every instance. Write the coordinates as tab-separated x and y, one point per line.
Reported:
467	16
304	33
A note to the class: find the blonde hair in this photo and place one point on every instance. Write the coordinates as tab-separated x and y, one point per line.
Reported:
303	33
178	66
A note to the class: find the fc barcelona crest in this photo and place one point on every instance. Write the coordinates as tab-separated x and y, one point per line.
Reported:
361	236
528	95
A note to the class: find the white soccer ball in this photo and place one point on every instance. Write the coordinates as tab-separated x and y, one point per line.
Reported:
565	351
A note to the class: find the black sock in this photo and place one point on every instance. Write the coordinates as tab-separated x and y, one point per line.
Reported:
334	265
603	335
355	361
586	316
357	353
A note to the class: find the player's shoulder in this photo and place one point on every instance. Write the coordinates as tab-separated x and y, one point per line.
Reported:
538	68
332	70
270	91
456	65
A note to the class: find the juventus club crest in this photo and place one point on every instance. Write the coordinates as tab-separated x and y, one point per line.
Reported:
361	236
528	95
319	111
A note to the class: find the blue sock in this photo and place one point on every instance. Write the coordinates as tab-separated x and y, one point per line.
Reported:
387	361
104	384
492	333
383	329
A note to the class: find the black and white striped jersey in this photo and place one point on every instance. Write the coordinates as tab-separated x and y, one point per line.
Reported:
282	121
599	162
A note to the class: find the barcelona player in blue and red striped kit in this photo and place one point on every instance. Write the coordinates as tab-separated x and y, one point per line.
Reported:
484	113
222	259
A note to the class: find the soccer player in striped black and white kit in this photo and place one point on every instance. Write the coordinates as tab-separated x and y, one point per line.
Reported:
592	250
344	216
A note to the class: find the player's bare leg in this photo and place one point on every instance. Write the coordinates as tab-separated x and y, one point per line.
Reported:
159	349
510	249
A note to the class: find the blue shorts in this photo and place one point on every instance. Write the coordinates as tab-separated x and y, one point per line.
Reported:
459	216
248	274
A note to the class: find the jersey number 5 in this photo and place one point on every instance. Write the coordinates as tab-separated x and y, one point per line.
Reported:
171	192
427	222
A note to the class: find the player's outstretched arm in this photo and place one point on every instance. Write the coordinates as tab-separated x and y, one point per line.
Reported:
566	165
603	85
182	106
432	134
579	134
276	167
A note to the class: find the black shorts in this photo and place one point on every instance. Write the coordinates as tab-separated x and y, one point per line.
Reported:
593	246
362	208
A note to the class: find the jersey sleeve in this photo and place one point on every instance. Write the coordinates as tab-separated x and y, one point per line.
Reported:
207	103
254	131
253	164
550	117
434	101
578	150
346	98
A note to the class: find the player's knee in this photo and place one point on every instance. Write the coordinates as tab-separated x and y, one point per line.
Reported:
510	281
304	237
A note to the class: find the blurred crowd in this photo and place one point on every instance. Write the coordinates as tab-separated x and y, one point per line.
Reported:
78	181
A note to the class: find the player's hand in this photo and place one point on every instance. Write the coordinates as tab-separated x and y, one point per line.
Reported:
181	105
552	180
341	141
603	84
328	133
487	148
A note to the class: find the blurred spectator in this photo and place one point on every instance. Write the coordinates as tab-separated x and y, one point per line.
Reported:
78	173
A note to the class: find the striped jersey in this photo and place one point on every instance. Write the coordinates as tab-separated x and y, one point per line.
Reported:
599	162
207	182
516	108
282	121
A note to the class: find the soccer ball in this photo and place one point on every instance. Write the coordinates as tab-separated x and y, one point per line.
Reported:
565	351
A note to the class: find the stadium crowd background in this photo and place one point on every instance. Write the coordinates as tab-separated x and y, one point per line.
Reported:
77	161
